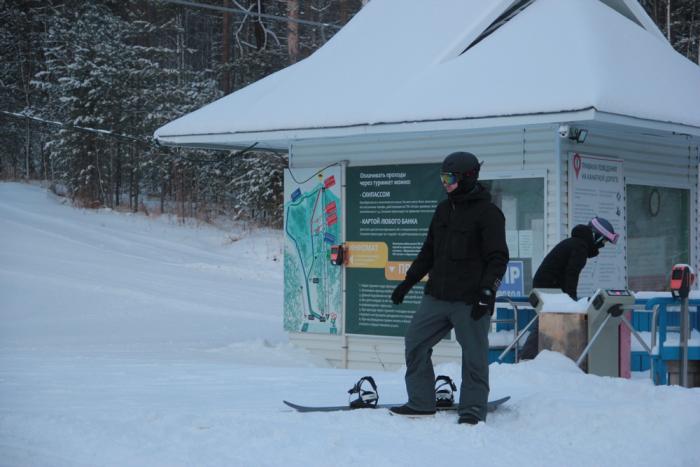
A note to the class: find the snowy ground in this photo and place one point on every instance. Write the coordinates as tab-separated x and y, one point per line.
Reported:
129	341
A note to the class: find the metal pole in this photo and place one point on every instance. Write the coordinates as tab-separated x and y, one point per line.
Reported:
516	354
590	342
503	354
636	334
652	365
344	278
684	342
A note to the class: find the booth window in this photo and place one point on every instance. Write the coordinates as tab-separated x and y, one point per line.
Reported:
658	234
522	203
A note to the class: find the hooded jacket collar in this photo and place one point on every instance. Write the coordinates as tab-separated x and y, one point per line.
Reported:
458	196
585	233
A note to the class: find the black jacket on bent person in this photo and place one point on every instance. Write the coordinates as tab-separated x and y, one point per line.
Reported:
561	268
465	249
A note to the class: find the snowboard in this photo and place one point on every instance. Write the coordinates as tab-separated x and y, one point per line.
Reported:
492	405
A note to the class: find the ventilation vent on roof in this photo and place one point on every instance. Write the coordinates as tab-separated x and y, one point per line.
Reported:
509	14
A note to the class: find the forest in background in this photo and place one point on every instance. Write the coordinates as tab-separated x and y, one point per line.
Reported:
84	84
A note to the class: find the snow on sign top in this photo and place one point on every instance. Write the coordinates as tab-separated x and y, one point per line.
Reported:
400	61
562	303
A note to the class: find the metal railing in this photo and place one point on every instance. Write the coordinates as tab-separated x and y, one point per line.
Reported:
660	352
516	326
659	328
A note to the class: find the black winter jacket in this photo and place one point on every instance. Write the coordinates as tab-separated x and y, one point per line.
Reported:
561	268
465	249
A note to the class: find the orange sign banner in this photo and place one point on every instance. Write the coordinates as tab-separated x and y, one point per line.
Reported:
367	254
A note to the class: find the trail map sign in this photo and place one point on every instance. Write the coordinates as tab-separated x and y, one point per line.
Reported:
312	224
597	188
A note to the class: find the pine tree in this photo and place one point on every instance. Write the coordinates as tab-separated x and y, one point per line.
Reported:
82	81
259	185
679	20
107	73
19	154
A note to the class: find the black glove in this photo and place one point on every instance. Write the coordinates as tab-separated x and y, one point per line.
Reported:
400	292
484	305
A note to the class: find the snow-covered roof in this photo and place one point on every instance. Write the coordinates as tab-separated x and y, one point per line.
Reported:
414	62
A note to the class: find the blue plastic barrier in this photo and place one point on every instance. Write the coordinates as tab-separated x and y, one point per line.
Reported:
666	317
641	321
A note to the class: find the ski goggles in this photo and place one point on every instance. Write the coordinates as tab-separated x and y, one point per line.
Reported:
449	178
599	240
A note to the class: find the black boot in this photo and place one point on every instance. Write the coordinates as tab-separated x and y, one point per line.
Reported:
469	419
409	412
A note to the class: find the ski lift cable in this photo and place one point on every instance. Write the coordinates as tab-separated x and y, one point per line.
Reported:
111	134
76	127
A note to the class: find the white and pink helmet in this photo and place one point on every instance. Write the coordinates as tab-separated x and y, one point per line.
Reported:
603	231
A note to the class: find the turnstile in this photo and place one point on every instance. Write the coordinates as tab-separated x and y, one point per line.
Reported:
589	334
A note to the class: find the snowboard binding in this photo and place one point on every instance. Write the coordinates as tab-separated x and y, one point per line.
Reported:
445	390
367	397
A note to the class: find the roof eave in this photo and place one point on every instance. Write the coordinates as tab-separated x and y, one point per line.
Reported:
279	140
648	124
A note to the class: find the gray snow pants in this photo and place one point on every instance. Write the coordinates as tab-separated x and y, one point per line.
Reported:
431	322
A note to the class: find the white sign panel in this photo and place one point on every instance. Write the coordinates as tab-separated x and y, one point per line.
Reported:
597	188
525	243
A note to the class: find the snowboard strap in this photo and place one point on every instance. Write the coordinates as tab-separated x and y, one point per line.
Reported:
365	397
444	391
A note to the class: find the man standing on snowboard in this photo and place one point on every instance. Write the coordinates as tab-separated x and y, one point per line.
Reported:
465	255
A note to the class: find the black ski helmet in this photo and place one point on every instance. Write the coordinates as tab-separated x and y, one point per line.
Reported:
466	165
602	231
